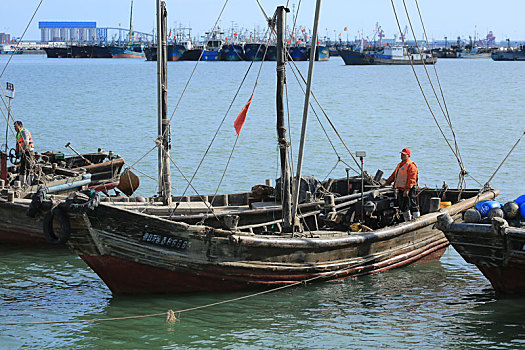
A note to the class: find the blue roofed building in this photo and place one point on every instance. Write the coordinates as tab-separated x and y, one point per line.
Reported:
80	32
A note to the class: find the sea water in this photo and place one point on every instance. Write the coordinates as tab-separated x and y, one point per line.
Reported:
111	104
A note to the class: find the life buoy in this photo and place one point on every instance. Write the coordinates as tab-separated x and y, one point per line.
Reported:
49	231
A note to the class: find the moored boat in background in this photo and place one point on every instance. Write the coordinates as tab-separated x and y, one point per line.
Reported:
509	54
388	55
100	51
254	51
131	51
322	53
232	52
298	53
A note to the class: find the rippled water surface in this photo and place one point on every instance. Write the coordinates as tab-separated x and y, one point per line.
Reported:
111	104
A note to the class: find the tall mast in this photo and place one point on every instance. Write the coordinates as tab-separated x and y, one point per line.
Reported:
313	50
130	23
281	128
162	95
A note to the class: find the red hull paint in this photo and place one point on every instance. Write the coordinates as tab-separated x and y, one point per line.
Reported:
509	279
23	235
125	277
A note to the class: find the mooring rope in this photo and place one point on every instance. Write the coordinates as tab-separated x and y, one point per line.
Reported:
169	313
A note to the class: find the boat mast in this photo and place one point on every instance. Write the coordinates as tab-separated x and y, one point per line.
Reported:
162	95
313	50
281	128
130	23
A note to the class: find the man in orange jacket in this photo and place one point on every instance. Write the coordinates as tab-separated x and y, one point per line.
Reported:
405	179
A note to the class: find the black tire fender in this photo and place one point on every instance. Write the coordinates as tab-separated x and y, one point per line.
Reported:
65	228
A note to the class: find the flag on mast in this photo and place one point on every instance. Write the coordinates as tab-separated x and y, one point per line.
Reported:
239	121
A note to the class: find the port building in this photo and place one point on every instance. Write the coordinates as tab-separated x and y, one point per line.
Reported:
81	32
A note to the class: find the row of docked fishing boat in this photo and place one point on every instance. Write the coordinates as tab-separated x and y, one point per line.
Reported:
402	55
213	50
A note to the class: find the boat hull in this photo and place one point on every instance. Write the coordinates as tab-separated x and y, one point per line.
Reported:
508	55
497	252
351	57
126	52
127	277
322	53
232	52
298	53
254	52
175	52
133	252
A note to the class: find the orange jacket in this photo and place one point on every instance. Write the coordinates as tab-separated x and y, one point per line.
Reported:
405	176
24	140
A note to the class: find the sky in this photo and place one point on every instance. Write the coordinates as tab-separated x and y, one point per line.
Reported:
450	18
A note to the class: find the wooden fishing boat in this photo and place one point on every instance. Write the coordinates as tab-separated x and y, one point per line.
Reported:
141	249
497	249
266	237
60	176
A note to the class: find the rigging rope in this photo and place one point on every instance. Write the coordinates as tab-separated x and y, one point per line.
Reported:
19	41
11	56
422	90
447	115
196	64
183	92
443	110
487	184
238	135
324	113
226	115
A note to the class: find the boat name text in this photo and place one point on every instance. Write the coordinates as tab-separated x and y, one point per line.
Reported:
165	241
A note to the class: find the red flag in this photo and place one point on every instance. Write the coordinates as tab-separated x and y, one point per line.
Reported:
239	121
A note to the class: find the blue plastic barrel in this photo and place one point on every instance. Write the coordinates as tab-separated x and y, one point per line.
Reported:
485	206
520	200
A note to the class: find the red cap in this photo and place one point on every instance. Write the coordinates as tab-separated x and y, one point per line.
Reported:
406	151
